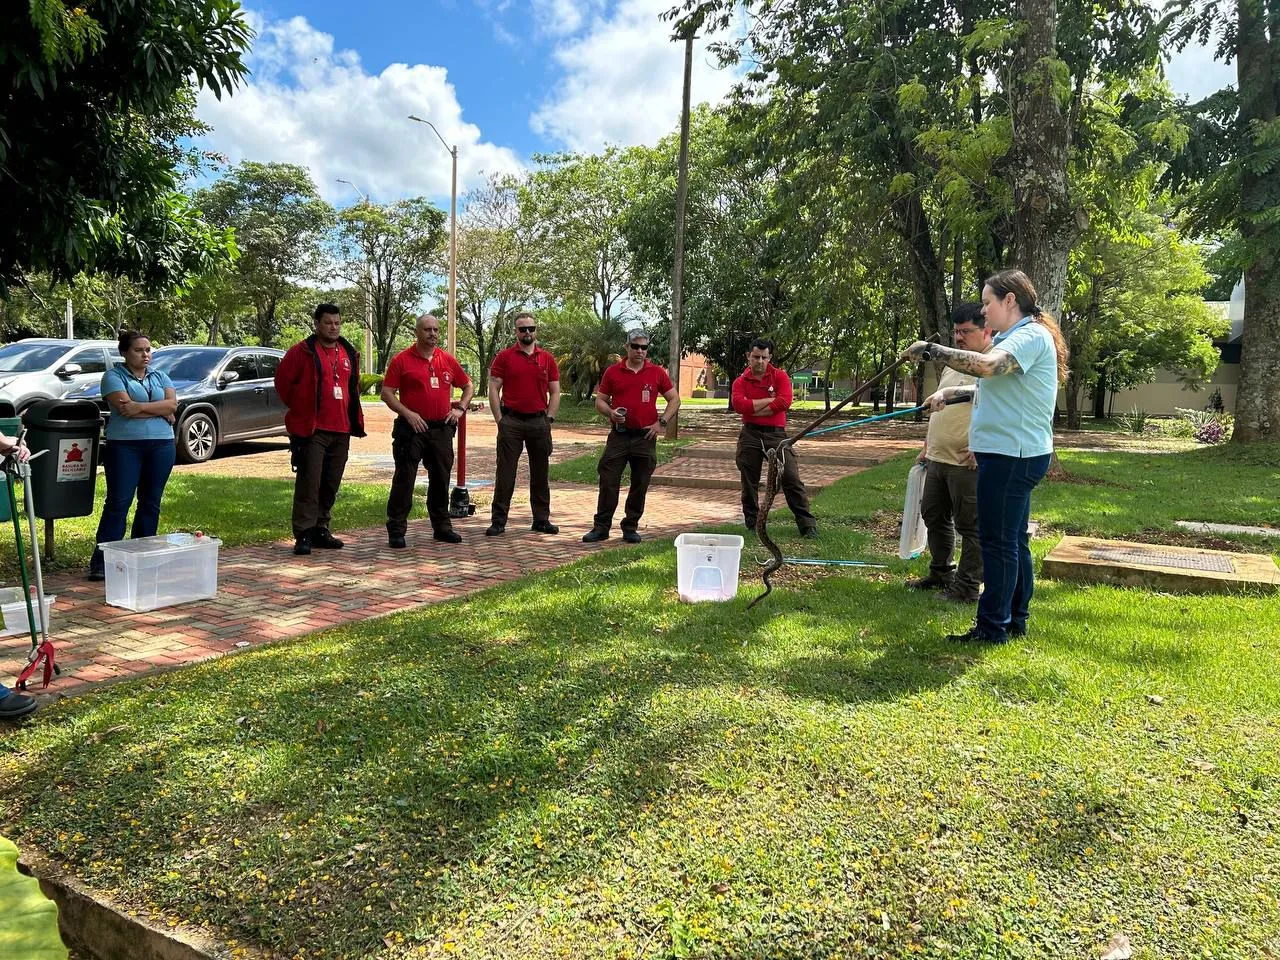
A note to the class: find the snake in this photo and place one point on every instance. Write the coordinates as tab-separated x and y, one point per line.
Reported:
773	458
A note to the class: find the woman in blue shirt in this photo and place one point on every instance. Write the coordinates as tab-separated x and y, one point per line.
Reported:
139	451
1011	437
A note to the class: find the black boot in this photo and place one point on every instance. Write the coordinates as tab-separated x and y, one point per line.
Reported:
302	548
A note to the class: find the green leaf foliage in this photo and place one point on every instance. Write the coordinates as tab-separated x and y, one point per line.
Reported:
28	919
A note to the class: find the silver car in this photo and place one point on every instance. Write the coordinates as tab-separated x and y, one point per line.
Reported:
48	369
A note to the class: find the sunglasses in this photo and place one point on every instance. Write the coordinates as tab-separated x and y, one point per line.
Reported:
638	346
526	329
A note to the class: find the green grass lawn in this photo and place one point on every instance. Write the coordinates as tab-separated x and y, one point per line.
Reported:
578	765
237	510
582	468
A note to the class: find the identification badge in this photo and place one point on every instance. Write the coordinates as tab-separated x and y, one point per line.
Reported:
337	391
435	383
644	395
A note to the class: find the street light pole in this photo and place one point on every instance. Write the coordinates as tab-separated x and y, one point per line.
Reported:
368	296
459	500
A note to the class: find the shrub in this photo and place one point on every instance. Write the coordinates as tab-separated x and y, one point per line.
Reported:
370	384
1212	432
698	393
1135	421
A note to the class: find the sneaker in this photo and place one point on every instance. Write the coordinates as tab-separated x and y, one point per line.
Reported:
595	535
302	548
495	530
396	541
544	526
631	536
322	539
928	583
957	595
974	635
1017	631
447	536
15	705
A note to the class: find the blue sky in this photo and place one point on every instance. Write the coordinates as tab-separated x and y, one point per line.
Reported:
333	83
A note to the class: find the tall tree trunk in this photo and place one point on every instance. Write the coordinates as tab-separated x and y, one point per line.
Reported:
1046	222
1100	394
926	271
1258	397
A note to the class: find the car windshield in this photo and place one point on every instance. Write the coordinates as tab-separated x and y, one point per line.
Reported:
194	364
29	357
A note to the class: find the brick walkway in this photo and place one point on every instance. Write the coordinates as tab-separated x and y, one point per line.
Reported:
259	587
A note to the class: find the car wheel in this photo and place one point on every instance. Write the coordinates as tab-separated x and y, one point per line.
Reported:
197	438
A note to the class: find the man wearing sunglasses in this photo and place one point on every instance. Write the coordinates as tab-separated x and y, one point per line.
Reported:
762	395
524	396
628	398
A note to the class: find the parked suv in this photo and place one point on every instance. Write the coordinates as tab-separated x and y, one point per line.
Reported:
48	369
224	394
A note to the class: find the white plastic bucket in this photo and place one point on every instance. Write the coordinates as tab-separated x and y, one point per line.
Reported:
913	536
707	566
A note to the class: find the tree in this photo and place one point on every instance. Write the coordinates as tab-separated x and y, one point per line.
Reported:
1233	175
97	105
584	346
386	252
279	221
497	253
574	209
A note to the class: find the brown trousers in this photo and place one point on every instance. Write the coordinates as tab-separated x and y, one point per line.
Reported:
752	443
515	435
949	506
321	460
433	448
622	449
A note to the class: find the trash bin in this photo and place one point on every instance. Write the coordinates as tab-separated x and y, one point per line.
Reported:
63	479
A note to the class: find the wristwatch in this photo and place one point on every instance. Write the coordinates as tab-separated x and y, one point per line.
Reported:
551	419
662	421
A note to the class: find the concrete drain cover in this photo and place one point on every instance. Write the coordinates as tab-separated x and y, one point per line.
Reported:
1212	562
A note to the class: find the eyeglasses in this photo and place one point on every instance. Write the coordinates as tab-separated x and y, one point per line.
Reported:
638	346
526	329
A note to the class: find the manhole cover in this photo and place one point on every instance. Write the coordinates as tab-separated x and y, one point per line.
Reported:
1212	562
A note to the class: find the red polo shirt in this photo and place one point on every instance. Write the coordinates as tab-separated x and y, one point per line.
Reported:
774	384
335	371
526	378
426	386
637	390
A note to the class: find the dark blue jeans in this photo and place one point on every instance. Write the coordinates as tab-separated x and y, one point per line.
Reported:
140	467
1004	508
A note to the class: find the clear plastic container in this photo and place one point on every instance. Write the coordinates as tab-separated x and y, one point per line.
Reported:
153	572
13	611
707	566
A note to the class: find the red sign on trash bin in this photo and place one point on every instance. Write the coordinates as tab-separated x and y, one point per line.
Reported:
74	461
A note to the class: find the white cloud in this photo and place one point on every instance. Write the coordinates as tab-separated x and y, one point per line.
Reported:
623	79
564	17
310	104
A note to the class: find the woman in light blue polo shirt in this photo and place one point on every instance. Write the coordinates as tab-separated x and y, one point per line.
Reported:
139	452
1011	437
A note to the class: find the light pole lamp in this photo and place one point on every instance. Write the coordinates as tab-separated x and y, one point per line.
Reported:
460	504
453	237
368	296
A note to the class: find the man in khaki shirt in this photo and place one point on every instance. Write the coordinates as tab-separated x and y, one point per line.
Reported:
950	501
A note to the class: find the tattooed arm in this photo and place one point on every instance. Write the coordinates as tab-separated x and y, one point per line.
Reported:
994	363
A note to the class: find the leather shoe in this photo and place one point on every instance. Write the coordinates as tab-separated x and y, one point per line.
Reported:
16	705
928	583
595	535
495	530
396	541
322	539
302	548
974	635
447	536
544	526
631	536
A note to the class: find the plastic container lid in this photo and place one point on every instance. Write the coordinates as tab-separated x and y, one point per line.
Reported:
156	546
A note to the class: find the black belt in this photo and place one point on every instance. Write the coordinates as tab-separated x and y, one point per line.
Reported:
508	412
765	428
429	423
630	432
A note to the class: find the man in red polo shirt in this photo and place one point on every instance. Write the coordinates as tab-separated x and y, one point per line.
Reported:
427	418
318	380
763	396
524	397
628	398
